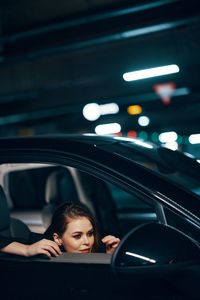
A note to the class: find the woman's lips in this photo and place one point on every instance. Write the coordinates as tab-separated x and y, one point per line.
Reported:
85	250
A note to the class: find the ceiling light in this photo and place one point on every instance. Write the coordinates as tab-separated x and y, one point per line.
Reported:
168	137
91	111
194	138
108	128
143	121
134	109
153	72
109	108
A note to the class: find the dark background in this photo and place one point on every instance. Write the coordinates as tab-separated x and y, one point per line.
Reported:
57	56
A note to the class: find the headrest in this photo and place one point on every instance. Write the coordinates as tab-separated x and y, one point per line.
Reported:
99	200
4	214
60	187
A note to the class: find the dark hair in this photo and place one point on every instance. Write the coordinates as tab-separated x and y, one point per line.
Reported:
69	210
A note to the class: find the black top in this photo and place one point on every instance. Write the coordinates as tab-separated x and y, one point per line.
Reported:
33	238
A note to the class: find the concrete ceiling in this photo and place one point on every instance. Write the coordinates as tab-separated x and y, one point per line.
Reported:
56	56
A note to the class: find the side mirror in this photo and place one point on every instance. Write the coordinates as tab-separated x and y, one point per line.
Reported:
152	246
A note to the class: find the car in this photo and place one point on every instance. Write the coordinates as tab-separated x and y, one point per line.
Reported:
146	194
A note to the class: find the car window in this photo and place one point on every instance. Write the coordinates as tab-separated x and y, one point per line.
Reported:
36	192
125	200
131	211
183	224
176	167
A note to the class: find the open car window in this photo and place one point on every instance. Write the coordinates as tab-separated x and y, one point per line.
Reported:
33	192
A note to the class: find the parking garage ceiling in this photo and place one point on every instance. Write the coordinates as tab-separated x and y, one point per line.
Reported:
57	56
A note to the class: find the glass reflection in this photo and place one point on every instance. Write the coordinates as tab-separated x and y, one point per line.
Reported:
153	261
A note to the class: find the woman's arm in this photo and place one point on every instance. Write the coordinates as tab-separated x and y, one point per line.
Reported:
43	246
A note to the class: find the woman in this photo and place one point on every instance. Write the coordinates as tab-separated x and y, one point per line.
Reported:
73	229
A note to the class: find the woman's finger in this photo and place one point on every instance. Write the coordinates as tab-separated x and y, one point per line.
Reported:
107	237
52	244
113	241
50	249
45	252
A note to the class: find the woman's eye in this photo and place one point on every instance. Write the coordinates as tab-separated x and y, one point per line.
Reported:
91	233
78	236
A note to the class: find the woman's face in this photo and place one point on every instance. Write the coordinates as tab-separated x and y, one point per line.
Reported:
79	236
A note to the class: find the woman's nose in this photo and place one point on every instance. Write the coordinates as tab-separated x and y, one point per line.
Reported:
85	239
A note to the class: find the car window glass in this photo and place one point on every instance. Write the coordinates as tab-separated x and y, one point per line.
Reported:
183	224
125	200
174	166
131	211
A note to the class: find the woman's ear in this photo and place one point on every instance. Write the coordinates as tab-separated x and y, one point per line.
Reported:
57	239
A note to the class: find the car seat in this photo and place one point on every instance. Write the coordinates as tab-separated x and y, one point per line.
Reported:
59	189
96	195
10	227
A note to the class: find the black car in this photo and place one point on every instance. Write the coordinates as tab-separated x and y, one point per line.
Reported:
145	194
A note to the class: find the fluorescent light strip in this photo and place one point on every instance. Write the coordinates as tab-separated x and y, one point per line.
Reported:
168	137
92	111
153	72
194	138
108	128
153	261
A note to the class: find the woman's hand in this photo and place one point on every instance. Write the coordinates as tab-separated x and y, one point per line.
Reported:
111	243
47	247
